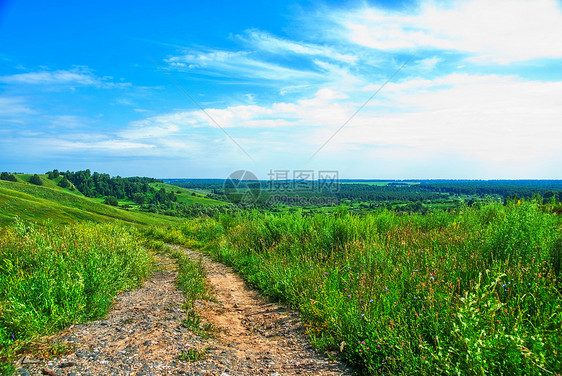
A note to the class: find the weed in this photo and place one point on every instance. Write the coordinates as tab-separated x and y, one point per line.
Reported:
192	355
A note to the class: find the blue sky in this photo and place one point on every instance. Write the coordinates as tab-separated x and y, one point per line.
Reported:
200	89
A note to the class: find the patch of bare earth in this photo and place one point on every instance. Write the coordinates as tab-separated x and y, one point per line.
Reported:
144	334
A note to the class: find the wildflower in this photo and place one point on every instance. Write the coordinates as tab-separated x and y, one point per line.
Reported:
362	342
370	301
12	337
362	315
349	296
325	273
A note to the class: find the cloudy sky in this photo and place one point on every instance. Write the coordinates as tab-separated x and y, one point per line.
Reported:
374	89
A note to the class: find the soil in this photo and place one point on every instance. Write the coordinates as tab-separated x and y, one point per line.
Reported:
145	334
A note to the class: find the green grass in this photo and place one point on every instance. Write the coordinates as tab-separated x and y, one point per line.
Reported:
54	276
192	355
473	292
186	196
191	278
42	203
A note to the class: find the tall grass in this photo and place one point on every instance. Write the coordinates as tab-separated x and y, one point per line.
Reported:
54	276
474	292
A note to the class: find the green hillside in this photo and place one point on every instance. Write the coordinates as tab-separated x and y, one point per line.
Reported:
188	196
50	202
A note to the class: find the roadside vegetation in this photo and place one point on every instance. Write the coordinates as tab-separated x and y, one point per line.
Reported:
55	276
470	292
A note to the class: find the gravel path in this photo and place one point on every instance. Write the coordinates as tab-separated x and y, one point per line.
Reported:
144	334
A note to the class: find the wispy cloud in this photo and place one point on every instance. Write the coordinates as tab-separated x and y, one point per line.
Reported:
237	65
77	76
14	106
263	41
67	121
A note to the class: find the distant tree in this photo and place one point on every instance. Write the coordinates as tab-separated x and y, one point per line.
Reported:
56	173
138	198
110	200
8	177
35	179
50	175
64	183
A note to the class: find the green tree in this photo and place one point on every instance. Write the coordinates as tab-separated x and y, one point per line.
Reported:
138	198
111	200
50	175
64	183
8	177
35	179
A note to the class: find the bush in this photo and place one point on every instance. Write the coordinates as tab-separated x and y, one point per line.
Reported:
110	200
8	177
35	179
64	183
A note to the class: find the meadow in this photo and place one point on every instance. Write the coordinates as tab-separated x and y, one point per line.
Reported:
469	292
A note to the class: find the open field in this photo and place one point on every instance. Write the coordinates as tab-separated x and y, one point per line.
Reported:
454	291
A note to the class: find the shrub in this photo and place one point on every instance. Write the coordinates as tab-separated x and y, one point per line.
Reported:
7	176
64	183
35	179
110	200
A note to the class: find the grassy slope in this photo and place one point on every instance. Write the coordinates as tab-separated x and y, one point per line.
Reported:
186	196
50	202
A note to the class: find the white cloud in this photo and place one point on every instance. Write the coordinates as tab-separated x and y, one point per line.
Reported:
239	64
267	42
14	106
78	76
500	31
67	121
478	117
140	132
491	120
